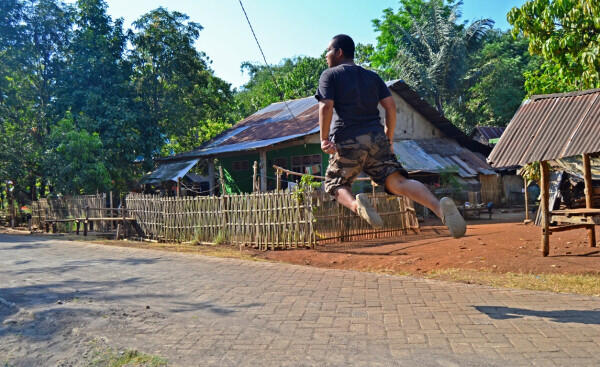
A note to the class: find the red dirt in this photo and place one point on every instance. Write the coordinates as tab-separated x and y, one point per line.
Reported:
499	247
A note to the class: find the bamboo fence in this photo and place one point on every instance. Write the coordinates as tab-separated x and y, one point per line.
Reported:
67	207
276	220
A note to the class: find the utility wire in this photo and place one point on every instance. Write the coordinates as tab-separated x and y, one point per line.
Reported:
265	60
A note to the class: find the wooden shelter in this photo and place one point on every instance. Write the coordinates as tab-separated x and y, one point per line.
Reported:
548	129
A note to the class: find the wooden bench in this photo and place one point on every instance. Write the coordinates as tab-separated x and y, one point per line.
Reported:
47	223
87	221
465	211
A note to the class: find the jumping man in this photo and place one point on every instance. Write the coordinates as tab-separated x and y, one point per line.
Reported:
359	142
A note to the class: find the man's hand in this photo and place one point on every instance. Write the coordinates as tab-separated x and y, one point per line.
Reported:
328	146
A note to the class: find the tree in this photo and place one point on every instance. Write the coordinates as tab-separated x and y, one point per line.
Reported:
185	101
73	165
566	34
392	28
498	89
96	89
293	78
432	49
36	35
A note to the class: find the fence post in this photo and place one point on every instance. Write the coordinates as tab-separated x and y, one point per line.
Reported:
222	178
278	180
254	177
125	226
111	205
85	223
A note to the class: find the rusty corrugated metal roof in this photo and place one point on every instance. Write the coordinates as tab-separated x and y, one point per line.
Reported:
440	155
549	127
489	132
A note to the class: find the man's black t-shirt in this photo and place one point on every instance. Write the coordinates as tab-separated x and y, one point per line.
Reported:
355	92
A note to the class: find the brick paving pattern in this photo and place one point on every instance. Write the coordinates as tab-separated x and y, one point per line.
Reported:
58	298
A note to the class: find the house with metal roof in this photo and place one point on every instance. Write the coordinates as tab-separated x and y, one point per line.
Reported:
286	134
562	132
487	135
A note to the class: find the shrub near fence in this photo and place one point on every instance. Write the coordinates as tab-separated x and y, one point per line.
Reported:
265	220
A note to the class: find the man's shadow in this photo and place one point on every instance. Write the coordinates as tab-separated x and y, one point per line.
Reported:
579	316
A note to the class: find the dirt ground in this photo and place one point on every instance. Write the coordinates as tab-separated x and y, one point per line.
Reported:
501	245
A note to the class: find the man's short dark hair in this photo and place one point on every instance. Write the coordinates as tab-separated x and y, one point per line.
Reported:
345	43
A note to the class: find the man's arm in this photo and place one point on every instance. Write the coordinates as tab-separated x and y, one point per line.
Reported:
325	115
389	106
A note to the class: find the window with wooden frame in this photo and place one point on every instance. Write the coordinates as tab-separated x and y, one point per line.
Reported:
281	162
307	164
240	166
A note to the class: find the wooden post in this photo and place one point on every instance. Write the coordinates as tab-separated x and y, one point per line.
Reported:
125	225
527	220
254	177
211	176
587	177
179	187
112	205
278	174
85	223
222	178
545	188
263	170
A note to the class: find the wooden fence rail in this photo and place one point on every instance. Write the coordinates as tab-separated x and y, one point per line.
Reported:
265	220
275	220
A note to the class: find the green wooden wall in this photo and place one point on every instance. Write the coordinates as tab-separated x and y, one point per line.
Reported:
243	177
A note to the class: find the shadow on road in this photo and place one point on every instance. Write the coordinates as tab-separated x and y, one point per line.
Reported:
590	317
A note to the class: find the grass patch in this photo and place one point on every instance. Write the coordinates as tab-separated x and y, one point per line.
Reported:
586	284
130	358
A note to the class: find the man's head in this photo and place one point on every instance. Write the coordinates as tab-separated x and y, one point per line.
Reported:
340	49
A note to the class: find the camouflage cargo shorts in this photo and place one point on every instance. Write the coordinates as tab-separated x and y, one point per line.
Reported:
369	153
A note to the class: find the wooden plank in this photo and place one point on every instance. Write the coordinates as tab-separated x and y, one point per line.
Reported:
575	219
577	211
545	187
587	177
569	227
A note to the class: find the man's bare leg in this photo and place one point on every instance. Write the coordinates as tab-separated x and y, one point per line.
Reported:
400	185
444	209
344	196
360	205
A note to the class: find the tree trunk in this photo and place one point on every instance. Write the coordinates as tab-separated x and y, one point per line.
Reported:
438	104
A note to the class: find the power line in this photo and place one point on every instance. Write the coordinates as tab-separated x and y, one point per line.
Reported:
265	60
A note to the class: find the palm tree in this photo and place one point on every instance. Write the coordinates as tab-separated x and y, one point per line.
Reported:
433	52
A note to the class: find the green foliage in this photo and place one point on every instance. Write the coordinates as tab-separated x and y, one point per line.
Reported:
495	90
531	172
393	26
129	357
129	95
293	78
231	187
423	45
566	34
449	180
72	161
307	184
185	102
221	238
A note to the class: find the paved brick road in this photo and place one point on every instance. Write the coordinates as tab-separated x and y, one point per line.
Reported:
60	299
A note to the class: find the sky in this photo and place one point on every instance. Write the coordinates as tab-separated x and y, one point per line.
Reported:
285	28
